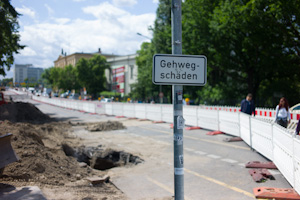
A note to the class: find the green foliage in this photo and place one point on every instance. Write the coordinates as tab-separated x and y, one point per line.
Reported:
91	73
86	73
251	46
9	37
6	81
110	94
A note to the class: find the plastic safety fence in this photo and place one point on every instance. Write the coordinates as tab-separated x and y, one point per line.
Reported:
100	108
190	115
262	138
117	109
108	108
245	128
283	152
229	123
128	110
208	119
297	164
167	113
140	110
153	112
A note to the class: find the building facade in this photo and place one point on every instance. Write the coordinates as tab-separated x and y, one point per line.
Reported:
72	59
122	73
26	71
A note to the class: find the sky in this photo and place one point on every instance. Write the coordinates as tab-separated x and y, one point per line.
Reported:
48	26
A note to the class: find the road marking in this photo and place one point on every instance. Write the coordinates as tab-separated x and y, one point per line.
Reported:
220	183
229	160
188	149
242	164
203	140
200	152
213	156
163	186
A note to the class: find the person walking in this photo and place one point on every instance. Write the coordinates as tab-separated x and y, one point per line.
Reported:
298	128
283	115
247	105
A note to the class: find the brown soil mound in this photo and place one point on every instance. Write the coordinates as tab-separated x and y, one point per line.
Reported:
105	126
22	112
41	156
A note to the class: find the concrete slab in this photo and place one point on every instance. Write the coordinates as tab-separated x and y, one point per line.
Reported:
8	192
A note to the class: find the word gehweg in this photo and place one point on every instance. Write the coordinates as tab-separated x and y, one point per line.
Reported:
178	65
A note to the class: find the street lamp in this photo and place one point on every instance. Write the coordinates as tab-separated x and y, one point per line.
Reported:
143	36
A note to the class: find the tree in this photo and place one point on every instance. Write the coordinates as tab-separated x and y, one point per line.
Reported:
68	79
91	73
9	37
252	48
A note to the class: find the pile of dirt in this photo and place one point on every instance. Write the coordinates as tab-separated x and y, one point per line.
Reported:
22	112
42	158
105	126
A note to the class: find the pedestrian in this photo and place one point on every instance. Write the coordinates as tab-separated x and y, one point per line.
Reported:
247	105
283	115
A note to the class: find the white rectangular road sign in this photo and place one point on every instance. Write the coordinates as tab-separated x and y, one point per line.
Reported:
179	70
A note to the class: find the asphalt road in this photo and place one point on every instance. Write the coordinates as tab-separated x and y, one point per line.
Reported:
214	169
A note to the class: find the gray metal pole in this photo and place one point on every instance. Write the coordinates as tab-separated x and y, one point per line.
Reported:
177	102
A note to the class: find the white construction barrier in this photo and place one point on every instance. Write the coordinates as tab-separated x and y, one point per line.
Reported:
153	112
261	137
208	119
128	110
229	123
190	115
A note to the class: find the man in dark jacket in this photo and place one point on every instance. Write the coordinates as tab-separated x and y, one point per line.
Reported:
247	105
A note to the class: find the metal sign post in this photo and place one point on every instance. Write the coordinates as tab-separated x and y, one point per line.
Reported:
177	102
178	70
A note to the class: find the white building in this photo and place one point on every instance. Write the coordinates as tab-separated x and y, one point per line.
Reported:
123	72
22	72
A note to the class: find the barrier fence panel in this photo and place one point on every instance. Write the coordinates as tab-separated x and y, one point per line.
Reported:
167	113
108	109
229	123
208	119
283	152
117	109
190	115
140	110
100	108
245	128
153	112
128	110
262	137
297	164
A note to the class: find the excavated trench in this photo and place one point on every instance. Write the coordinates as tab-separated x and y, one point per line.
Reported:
101	159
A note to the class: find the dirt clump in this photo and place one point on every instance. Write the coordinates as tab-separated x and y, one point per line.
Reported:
105	126
22	112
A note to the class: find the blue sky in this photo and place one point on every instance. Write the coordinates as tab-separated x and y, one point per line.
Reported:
48	26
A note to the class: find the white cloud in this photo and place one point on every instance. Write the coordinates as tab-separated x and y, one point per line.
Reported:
27	52
122	3
26	11
113	30
155	1
50	10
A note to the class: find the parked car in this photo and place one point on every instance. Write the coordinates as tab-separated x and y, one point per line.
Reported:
55	94
74	96
295	108
105	100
